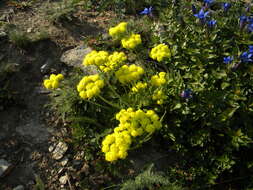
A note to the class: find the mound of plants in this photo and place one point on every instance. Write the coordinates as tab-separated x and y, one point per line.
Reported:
185	79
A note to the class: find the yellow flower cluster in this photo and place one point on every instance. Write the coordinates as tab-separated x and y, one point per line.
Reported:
159	96
129	73
96	58
131	42
132	124
118	30
115	60
53	81
158	80
160	52
104	61
90	86
139	86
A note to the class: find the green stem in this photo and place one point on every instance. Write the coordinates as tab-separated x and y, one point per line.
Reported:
108	102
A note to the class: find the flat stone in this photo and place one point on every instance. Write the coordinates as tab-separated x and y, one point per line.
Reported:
59	150
63	179
74	57
19	187
4	166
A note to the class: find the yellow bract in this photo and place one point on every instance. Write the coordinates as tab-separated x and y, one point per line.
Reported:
160	52
131	42
53	81
90	86
118	30
129	73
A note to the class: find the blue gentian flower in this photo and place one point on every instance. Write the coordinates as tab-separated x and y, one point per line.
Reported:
201	15
243	20
147	11
251	49
228	59
211	23
246	57
186	94
194	10
250	27
208	2
226	6
250	19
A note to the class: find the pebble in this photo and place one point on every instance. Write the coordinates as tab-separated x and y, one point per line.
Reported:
64	161
19	187
63	179
60	150
4	166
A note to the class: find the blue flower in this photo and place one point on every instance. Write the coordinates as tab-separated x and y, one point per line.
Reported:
243	20
208	2
250	49
250	27
228	59
186	93
211	23
226	6
201	15
246	57
147	11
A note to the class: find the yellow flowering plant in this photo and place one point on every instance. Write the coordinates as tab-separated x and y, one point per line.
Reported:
131	42
119	30
160	52
53	81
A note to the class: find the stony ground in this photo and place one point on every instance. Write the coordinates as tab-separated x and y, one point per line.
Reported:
33	153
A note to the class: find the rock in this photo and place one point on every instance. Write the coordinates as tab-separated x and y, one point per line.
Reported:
2	34
4	166
60	150
19	187
46	68
74	58
64	161
29	30
63	179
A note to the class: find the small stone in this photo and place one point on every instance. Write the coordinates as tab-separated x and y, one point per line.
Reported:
46	68
51	148
29	30
64	161
60	171
63	179
4	166
60	150
19	187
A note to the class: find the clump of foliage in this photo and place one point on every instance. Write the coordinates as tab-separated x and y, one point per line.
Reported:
151	180
193	68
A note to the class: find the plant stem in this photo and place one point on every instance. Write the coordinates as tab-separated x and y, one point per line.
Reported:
108	102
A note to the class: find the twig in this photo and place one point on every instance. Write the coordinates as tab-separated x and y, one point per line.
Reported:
70	186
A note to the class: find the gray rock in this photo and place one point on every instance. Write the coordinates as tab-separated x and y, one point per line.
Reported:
63	179
19	187
4	166
60	150
74	58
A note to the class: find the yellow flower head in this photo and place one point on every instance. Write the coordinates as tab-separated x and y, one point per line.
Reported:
139	86
118	30
158	80
90	86
130	73
53	81
115	60
160	52
131	42
159	96
97	58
